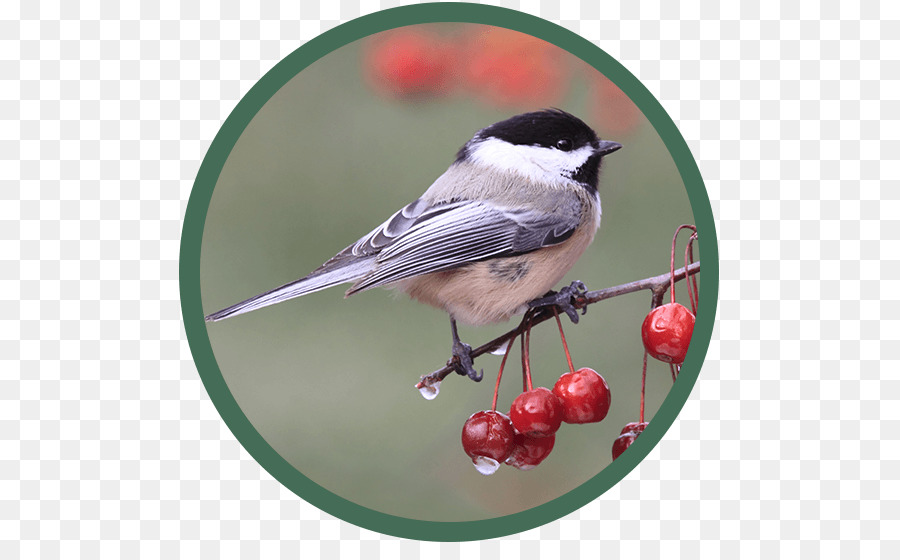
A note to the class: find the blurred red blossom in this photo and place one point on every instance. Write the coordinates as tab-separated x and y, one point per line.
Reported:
497	66
610	108
508	68
410	62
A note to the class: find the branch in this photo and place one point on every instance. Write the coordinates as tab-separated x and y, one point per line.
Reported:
658	285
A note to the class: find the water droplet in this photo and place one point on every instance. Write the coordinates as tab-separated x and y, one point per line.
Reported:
430	392
502	349
485	465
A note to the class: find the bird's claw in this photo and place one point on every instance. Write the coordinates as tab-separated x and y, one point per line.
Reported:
564	299
463	363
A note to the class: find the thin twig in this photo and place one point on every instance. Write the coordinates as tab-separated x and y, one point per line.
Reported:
658	285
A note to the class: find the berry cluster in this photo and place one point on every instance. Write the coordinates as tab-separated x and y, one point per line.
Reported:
526	436
666	333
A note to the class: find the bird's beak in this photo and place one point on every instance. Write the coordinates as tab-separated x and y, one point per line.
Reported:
605	147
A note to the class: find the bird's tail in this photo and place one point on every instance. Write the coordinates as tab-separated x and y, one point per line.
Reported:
325	277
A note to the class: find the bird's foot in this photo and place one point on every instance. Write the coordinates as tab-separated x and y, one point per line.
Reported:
564	300
463	363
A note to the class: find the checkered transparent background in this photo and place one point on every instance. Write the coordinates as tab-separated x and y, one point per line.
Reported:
788	446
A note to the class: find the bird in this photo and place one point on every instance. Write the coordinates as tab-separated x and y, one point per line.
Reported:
490	238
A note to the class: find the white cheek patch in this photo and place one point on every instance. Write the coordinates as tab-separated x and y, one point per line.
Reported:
546	165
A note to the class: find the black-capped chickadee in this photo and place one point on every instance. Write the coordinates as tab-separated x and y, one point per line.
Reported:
495	232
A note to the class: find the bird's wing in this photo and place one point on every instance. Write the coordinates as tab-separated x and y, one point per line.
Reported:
424	238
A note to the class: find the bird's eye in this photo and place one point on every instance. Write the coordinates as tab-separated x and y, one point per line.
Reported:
564	144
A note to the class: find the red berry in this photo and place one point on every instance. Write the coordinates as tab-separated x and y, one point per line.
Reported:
629	433
536	413
528	452
667	332
585	396
488	438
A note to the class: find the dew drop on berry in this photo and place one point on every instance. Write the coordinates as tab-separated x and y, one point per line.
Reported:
485	465
430	392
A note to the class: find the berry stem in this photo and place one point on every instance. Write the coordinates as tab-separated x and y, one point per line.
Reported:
672	272
562	336
500	374
527	356
691	280
643	385
672	259
687	252
522	354
674	369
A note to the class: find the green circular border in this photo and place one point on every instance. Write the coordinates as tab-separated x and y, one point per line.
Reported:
195	217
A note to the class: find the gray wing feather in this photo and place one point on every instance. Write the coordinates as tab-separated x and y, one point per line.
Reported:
385	234
348	271
450	235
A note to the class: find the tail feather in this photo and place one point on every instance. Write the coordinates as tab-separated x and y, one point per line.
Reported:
318	280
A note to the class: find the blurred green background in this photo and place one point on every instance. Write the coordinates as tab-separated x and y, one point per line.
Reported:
328	381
